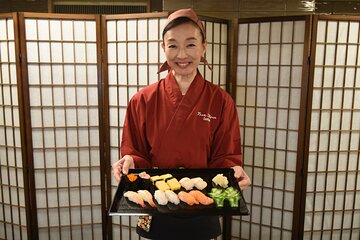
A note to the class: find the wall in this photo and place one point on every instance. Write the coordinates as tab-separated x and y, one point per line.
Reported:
260	8
23	6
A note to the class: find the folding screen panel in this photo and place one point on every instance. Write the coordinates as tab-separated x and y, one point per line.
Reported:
133	58
333	184
268	92
62	82
134	55
13	223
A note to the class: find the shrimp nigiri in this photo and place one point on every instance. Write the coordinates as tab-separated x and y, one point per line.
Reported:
147	197
201	197
134	197
188	198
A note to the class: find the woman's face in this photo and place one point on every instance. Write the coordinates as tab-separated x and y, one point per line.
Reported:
183	49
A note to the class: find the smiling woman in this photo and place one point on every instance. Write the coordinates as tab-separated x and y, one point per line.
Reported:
196	125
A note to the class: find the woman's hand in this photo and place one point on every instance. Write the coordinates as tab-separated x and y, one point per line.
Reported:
244	180
122	166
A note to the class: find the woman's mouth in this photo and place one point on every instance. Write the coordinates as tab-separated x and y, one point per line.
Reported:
183	64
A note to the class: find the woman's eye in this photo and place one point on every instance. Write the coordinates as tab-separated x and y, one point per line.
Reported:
191	45
171	46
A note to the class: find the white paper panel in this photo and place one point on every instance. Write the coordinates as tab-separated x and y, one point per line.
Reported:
333	157
133	60
269	69
12	215
64	114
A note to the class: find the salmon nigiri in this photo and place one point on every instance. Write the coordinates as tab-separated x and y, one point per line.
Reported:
188	198
147	197
201	197
134	197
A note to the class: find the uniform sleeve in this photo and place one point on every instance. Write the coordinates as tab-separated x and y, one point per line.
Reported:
134	141
226	146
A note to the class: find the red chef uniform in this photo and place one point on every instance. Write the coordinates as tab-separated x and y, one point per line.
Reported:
165	129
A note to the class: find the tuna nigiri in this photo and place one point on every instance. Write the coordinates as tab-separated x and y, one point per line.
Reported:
172	197
201	197
188	198
160	197
147	197
134	197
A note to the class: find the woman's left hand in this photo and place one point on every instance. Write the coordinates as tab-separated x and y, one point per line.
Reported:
240	174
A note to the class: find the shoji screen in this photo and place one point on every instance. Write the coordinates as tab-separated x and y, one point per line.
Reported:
216	52
333	185
133	58
13	223
63	89
134	55
268	93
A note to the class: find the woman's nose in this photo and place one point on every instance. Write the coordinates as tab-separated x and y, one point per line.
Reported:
182	53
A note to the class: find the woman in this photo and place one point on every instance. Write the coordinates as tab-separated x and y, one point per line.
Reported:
182	121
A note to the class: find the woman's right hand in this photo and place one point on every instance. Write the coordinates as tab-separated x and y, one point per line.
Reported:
122	166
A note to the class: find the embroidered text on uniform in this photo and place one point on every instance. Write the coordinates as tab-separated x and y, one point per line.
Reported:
206	116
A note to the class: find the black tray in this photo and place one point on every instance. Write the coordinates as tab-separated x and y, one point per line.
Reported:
122	206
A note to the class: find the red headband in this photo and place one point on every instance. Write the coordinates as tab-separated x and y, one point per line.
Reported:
188	13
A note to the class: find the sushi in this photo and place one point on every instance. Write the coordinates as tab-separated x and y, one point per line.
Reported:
132	177
162	185
173	184
155	178
201	197
147	197
166	176
134	197
186	183
160	182
172	197
187	198
199	183
160	197
144	175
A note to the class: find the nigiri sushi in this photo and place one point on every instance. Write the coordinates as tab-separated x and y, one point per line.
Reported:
147	197
134	197
201	197
188	198
199	183
144	175
186	183
172	197
160	197
173	184
162	185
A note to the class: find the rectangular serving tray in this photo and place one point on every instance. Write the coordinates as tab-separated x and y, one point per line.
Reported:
121	206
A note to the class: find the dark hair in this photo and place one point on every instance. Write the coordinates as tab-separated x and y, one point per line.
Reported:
177	22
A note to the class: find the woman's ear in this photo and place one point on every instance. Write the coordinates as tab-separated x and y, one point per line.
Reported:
204	48
163	46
